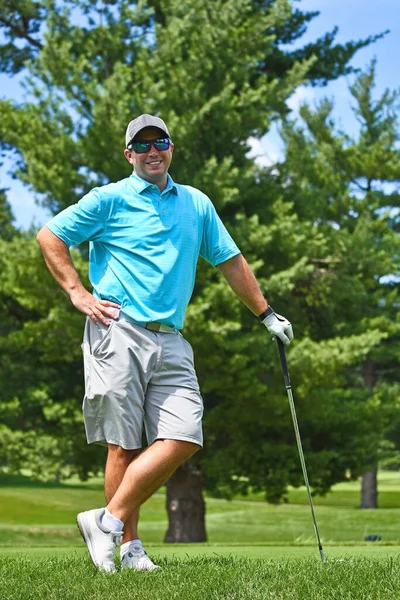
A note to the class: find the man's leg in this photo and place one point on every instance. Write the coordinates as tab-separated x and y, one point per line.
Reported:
132	554
147	473
144	475
118	460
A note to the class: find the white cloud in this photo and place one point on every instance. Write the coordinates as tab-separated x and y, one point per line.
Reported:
302	95
265	152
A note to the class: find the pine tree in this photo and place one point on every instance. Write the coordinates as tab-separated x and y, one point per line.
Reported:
351	187
204	67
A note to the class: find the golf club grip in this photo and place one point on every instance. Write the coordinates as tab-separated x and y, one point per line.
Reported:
282	356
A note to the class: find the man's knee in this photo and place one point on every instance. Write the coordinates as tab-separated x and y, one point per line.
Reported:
182	447
193	448
117	454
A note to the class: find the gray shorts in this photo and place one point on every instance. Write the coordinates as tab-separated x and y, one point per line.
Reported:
134	376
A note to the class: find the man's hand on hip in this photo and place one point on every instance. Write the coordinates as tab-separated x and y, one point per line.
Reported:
97	310
279	326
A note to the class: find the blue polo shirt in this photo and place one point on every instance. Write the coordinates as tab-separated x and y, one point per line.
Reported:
144	245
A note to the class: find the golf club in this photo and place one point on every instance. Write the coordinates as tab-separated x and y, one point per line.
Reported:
285	370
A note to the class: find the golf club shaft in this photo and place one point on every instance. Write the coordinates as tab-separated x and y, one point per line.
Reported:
288	385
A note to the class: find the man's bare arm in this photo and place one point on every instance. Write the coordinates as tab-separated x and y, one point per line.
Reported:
243	282
59	262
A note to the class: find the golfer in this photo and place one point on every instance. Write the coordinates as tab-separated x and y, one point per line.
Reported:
146	234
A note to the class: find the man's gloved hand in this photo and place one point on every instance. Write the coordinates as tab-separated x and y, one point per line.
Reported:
277	325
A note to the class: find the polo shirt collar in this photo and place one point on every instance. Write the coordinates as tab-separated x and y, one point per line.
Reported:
140	185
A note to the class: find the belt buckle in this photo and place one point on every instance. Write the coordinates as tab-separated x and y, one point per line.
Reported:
153	326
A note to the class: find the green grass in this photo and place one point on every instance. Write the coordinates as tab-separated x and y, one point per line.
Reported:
254	550
184	551
205	578
44	515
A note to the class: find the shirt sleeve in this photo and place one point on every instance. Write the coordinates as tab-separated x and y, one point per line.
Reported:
80	222
217	245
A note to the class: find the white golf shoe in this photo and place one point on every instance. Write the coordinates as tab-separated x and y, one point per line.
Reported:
136	558
100	541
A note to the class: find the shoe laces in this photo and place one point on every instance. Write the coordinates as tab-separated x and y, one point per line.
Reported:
140	560
137	554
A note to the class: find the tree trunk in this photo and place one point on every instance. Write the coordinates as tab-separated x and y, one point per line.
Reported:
369	490
185	506
369	485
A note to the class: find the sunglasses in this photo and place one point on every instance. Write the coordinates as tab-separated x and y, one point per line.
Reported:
143	146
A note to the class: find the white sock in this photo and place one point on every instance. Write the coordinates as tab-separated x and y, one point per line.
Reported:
131	546
110	522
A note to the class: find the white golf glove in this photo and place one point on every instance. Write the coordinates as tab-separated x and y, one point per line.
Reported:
277	325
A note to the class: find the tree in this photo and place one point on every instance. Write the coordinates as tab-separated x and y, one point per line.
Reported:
87	79
356	184
41	370
22	27
7	229
201	65
313	240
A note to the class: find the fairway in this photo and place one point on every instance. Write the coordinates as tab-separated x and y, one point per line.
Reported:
254	550
40	515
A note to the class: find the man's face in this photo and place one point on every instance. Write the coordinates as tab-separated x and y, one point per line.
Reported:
154	164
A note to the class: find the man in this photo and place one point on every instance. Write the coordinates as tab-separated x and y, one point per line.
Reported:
146	233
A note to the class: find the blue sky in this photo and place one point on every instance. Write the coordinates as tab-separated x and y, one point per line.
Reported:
355	18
